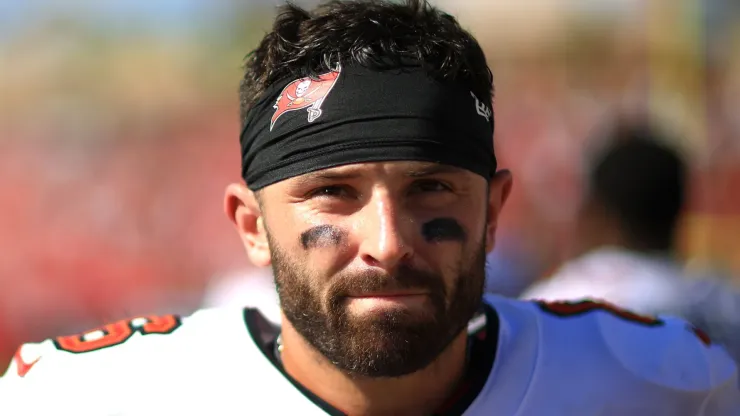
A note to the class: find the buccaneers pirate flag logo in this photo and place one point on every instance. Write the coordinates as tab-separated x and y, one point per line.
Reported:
304	93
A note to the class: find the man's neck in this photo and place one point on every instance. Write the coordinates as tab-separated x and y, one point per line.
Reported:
419	393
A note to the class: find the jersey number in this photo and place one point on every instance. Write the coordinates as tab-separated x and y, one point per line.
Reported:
117	333
566	309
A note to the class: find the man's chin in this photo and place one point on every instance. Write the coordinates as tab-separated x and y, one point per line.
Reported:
392	349
393	330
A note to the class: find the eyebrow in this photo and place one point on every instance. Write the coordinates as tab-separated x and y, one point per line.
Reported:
432	169
324	175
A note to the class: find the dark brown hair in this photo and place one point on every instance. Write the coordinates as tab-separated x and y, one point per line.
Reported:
371	33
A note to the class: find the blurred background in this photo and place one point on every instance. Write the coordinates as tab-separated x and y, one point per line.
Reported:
119	133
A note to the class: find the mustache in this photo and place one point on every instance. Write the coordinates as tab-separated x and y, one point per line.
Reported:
405	277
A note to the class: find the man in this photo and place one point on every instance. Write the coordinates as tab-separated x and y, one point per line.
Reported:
373	194
627	230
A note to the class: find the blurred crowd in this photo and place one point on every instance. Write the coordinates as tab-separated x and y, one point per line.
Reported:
116	145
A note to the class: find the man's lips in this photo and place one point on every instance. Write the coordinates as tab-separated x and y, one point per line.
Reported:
381	301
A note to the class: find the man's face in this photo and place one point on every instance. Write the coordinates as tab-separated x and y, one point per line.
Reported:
379	266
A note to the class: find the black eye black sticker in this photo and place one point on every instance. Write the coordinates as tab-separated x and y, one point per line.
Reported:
322	236
443	229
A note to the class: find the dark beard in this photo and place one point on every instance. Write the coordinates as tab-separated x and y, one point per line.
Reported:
392	344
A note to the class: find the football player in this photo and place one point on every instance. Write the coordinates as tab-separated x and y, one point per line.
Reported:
371	188
635	198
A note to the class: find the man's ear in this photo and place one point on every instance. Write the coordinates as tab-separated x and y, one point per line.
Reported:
498	192
243	209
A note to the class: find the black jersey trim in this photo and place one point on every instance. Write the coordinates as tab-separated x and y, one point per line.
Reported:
255	322
483	349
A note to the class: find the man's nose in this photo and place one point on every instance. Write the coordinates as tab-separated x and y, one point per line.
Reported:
384	231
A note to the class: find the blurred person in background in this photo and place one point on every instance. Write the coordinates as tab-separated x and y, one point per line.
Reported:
627	232
374	194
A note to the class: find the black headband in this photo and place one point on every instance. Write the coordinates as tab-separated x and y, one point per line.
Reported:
356	114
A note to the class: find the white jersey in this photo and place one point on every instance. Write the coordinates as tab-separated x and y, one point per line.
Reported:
649	285
529	359
638	282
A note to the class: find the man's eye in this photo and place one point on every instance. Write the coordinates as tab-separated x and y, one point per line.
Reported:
430	186
330	191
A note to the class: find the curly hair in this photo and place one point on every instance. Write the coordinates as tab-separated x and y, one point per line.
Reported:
371	33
